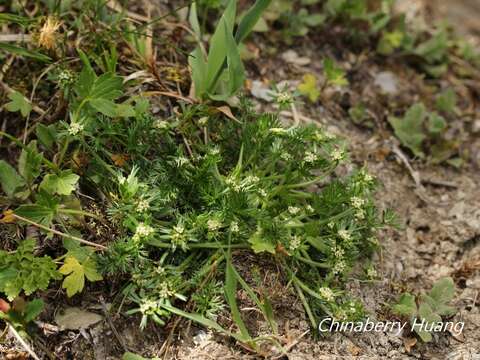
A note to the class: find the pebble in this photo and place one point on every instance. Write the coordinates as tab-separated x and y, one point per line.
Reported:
387	82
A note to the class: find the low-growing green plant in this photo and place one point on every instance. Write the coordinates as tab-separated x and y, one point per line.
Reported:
420	130
428	308
238	186
334	76
23	271
188	196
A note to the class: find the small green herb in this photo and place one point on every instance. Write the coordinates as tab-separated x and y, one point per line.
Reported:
431	306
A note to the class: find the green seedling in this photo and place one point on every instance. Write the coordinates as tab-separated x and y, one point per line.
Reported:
428	307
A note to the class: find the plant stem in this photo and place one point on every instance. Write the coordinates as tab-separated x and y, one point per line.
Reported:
56	232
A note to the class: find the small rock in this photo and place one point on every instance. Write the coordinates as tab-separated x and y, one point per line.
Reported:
292	57
201	337
74	318
387	82
261	91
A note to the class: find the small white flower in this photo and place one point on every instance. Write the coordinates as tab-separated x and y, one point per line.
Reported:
293	210
344	234
148	306
360	214
338	252
285	156
75	128
215	150
213	225
203	121
251	179
143	205
295	243
331	224
339	267
160	124
372	273
262	193
164	292
337	155
234	227
368	178
326	293
66	77
309	208
179	229
180	161
284	97
310	157
142	231
357	202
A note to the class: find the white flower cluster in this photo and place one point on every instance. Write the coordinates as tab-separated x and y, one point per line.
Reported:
147	307
214	150
244	185
284	98
142	205
66	77
339	267
164	292
344	235
310	157
75	128
295	243
160	124
214	225
357	202
337	155
285	156
371	273
338	252
293	210
234	227
142	231
326	293
360	214
180	161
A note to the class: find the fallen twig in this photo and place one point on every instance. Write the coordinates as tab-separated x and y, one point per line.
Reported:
23	342
56	232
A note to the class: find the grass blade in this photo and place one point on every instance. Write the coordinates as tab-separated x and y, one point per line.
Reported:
250	19
18	50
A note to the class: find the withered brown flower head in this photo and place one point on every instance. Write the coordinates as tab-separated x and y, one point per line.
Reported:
48	33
